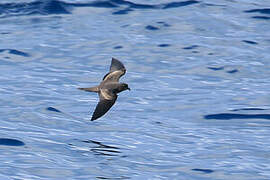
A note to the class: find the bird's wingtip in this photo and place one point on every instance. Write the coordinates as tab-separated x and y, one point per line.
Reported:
93	118
115	60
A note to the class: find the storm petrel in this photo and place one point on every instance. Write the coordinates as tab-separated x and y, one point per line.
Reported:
108	88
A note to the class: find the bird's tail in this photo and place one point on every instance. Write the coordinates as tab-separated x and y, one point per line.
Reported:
91	89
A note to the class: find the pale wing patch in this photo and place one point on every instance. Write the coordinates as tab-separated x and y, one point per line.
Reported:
105	94
114	76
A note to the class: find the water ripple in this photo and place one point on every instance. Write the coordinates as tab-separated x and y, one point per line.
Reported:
50	7
199	74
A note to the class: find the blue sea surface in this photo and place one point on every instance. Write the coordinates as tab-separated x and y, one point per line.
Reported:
199	105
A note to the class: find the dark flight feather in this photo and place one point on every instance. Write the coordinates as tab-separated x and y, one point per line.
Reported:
102	107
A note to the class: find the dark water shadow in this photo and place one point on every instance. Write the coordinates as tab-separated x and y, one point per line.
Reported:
216	68
164	45
117	47
223	68
250	42
151	28
53	109
15	52
261	17
50	7
249	109
190	47
99	148
228	116
11	142
206	171
102	149
232	71
114	178
262	11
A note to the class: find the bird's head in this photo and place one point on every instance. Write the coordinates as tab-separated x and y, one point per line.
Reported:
123	87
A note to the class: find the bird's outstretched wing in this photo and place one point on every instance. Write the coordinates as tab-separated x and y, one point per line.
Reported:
116	65
106	101
117	70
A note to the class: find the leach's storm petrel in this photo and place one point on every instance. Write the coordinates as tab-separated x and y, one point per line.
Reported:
108	88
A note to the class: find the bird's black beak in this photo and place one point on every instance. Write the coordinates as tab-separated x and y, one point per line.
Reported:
128	89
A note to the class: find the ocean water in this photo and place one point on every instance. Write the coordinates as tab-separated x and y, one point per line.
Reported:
199	105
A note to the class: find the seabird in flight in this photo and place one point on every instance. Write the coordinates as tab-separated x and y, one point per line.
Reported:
108	88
